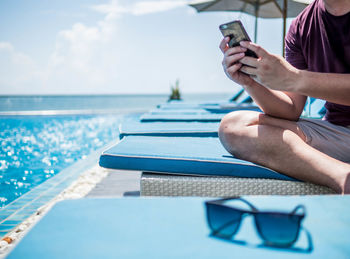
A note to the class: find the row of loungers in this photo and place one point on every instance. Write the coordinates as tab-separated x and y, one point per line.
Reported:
185	158
179	153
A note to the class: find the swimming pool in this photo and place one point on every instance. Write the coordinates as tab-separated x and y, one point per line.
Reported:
35	148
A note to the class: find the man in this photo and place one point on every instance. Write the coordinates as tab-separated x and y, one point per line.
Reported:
318	52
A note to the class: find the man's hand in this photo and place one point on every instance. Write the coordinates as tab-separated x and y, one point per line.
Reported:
232	65
269	70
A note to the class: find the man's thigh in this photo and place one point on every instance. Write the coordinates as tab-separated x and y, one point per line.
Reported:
326	137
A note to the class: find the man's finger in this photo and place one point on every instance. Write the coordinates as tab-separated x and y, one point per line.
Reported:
223	44
249	61
249	70
235	50
234	68
230	60
259	51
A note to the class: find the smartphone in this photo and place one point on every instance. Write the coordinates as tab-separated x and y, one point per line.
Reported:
237	33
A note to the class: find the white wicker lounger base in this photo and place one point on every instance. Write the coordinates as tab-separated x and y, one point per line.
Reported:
153	184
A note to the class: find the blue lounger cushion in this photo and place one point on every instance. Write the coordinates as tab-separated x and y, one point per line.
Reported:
222	108
314	108
177	111
195	114
240	97
177	228
181	155
230	107
180	105
204	117
188	105
175	129
205	110
317	109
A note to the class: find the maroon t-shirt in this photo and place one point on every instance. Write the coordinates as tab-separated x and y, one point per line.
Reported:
318	41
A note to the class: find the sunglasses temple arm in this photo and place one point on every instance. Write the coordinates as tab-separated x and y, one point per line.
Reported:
249	204
224	226
299	207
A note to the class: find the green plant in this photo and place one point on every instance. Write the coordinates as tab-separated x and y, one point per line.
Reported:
175	91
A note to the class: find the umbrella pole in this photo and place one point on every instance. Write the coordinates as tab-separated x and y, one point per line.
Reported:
256	29
284	25
256	21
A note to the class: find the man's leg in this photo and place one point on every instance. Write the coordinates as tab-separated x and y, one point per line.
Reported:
280	145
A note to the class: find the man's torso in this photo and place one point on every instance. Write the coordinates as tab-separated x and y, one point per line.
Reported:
320	42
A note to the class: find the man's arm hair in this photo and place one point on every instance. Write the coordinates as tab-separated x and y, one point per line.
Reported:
331	87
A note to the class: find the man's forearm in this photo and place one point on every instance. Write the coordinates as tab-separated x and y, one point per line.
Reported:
328	86
276	103
276	73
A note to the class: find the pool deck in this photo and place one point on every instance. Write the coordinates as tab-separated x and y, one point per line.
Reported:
117	184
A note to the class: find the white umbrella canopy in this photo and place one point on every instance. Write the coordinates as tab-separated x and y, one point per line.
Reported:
265	8
257	8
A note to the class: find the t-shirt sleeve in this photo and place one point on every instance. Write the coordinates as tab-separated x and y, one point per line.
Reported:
293	50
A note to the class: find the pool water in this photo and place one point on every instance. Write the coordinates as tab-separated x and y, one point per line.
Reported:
35	148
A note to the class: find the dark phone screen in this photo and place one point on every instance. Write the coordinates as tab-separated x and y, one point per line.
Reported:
237	33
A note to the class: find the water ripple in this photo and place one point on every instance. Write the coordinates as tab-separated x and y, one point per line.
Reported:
33	149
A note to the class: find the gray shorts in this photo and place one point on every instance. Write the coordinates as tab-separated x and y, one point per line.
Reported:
328	138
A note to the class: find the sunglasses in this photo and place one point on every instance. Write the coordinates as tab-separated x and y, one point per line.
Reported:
275	228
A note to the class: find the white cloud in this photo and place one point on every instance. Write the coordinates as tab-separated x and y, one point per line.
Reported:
112	9
6	46
138	8
148	7
16	58
91	55
18	71
84	56
82	59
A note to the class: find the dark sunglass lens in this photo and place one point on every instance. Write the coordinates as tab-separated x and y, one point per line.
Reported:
278	229
223	221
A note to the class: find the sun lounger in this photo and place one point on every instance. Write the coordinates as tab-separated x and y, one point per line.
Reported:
175	129
194	156
239	97
202	117
177	111
177	228
316	108
199	128
230	107
202	113
222	108
180	155
174	185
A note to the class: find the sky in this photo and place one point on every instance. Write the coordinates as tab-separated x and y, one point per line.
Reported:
50	47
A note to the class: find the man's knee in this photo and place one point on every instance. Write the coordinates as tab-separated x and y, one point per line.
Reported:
234	126
236	122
